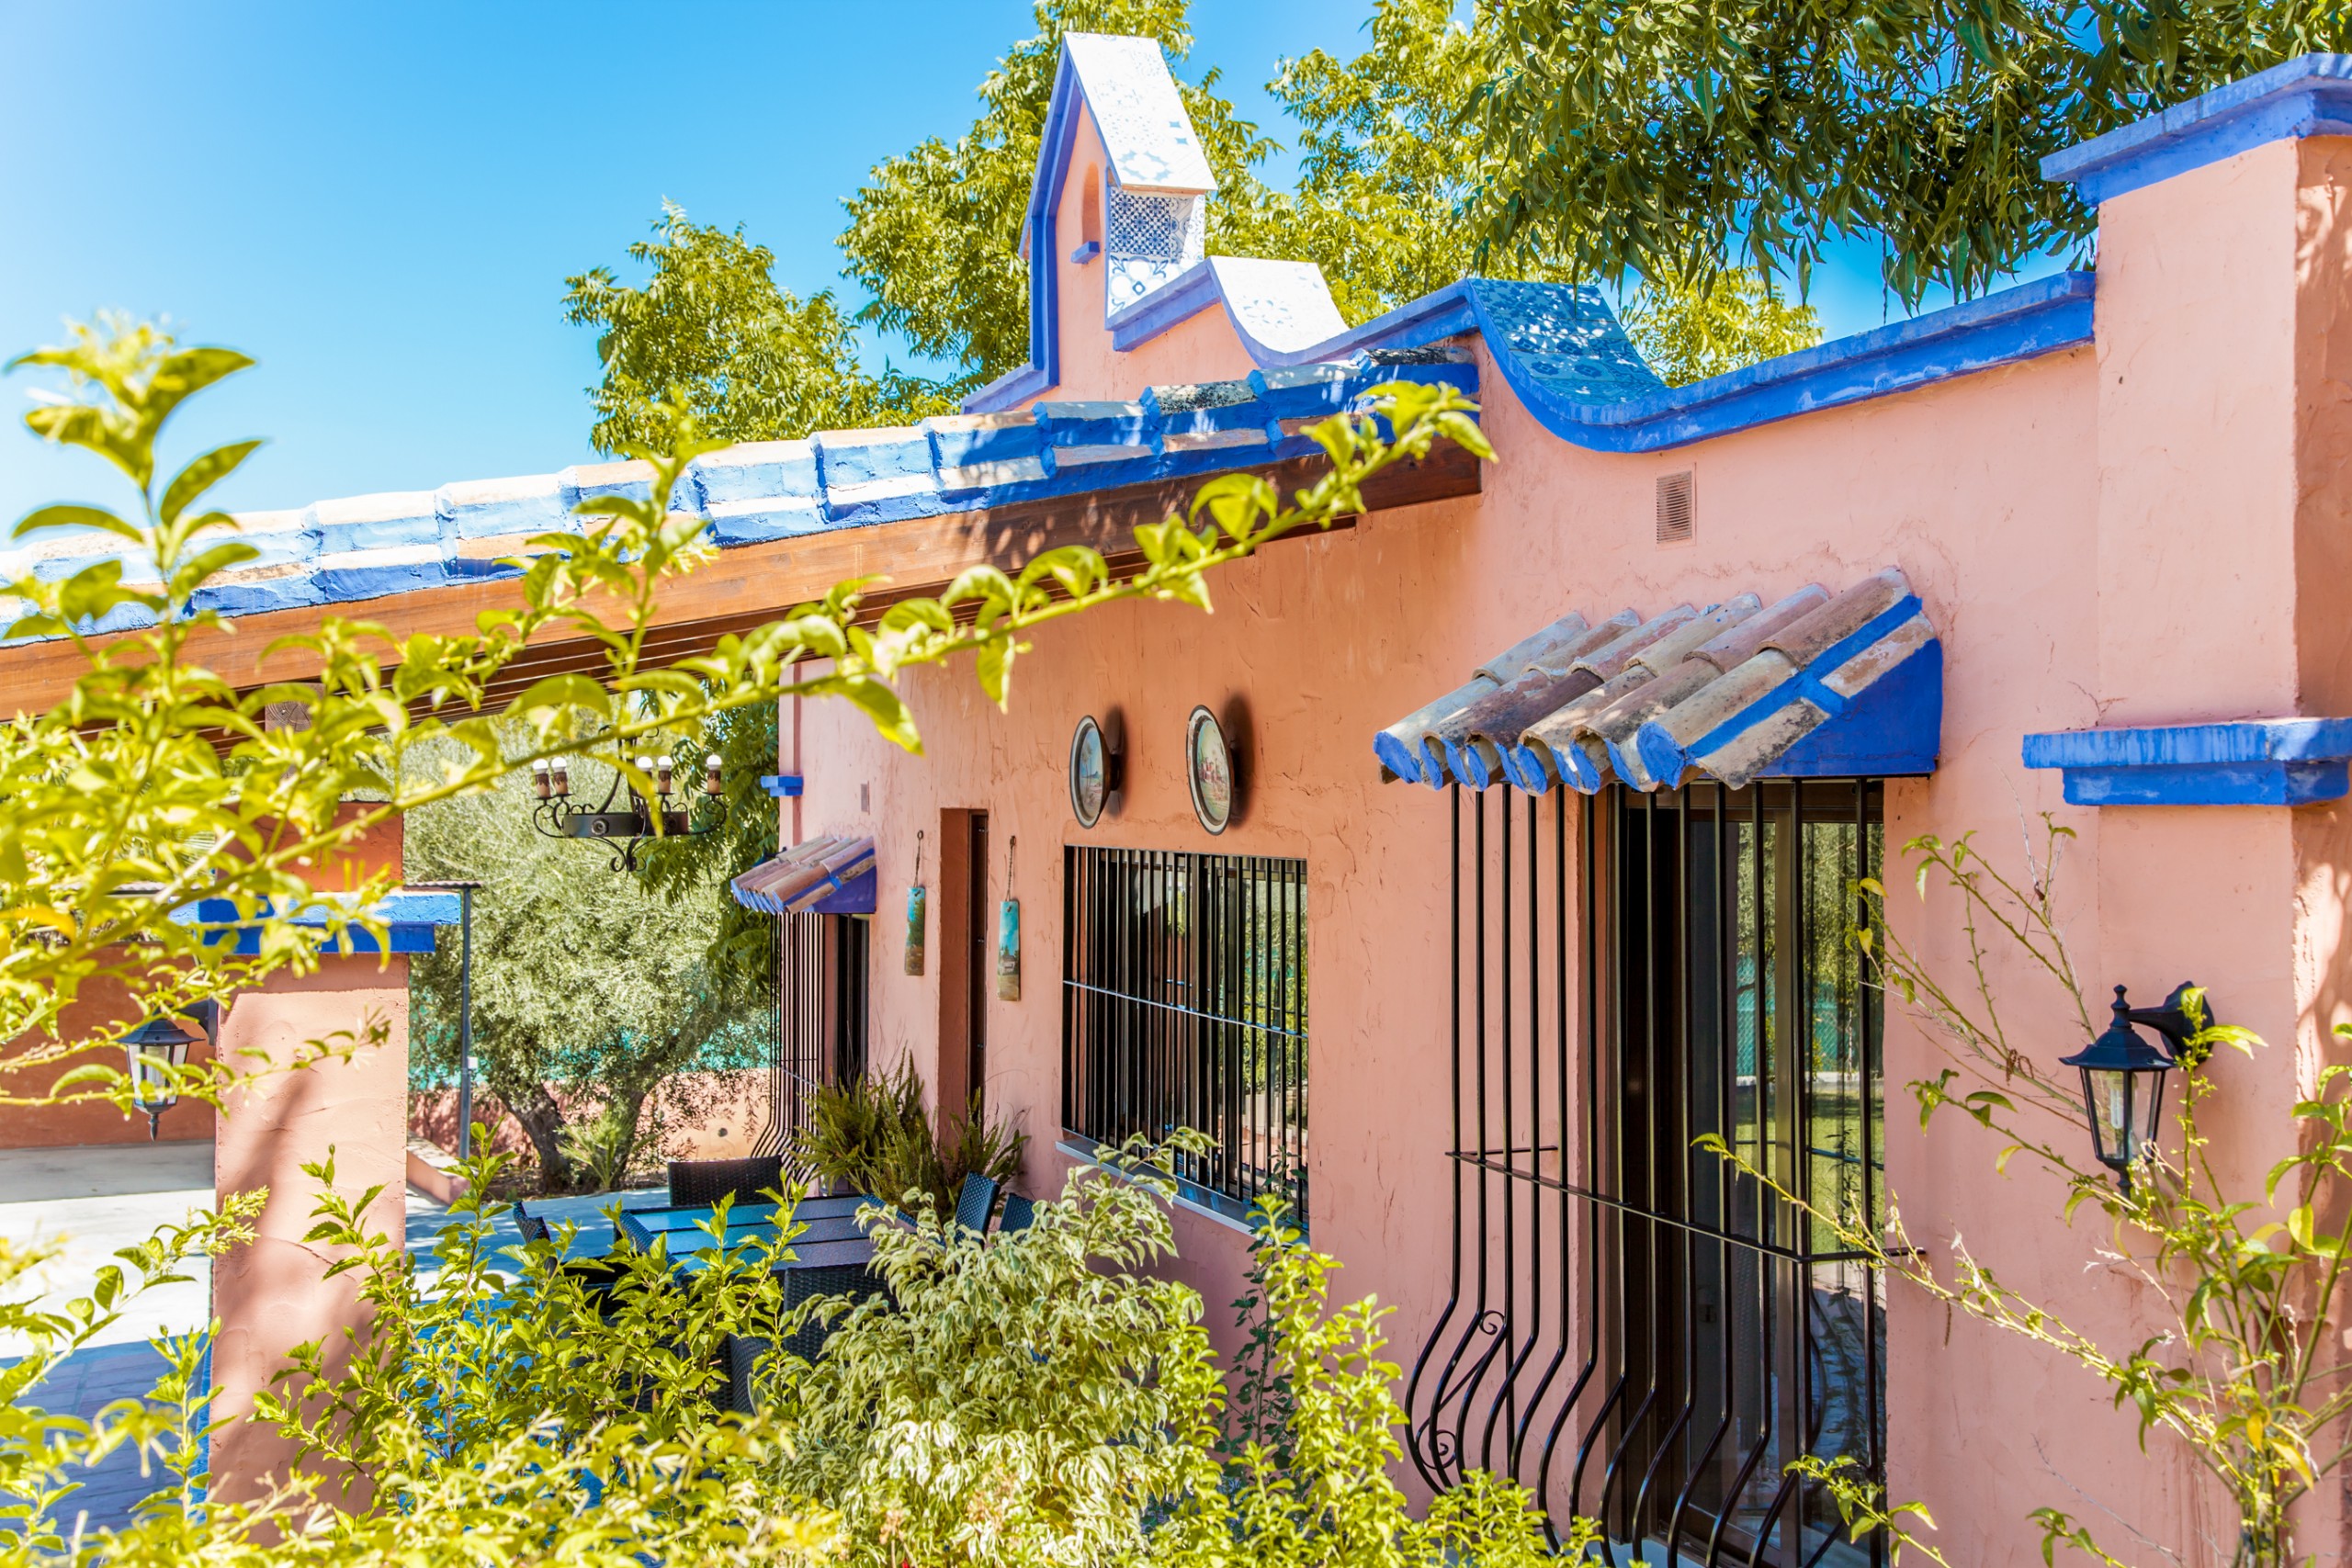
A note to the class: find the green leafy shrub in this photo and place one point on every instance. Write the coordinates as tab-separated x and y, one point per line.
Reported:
873	1136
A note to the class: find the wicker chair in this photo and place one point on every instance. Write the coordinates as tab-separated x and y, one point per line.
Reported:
973	1203
857	1281
533	1227
741	1355
709	1180
1018	1213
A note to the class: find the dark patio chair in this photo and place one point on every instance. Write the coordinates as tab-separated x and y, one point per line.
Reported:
709	1180
1018	1213
533	1227
973	1203
856	1282
741	1353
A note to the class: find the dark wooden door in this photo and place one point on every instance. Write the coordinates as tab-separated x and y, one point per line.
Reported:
980	964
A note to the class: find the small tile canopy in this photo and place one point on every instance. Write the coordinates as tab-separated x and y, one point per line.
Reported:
829	875
1813	686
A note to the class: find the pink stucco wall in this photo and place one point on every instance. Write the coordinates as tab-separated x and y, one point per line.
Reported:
273	1293
2146	531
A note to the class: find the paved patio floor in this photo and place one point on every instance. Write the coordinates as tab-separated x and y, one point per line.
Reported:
95	1199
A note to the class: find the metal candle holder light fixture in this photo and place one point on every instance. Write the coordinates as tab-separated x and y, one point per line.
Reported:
624	826
2124	1077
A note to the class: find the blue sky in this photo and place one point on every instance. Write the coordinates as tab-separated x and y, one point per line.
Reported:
380	203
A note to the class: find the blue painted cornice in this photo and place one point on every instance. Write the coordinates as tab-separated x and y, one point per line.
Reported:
1571	365
2310	95
2254	762
1564	352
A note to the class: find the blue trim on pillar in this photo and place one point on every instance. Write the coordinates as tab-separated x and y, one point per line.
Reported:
2259	761
780	785
410	919
2310	95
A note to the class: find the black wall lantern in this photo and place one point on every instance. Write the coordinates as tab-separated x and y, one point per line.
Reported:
2123	1078
156	1050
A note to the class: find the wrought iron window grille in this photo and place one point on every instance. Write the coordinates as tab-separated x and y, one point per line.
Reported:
816	1015
1632	1329
1184	1006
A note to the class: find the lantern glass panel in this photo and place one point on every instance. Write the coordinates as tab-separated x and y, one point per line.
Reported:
2109	1095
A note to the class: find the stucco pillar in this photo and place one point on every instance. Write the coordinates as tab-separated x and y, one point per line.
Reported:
273	1294
2225	556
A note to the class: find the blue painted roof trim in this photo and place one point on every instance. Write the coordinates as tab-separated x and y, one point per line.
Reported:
774	490
2310	95
2030	320
2259	761
1564	353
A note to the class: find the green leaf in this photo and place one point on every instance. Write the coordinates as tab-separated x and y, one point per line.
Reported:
72	517
892	718
556	693
200	475
994	665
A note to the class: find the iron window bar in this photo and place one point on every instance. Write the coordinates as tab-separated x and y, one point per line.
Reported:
816	1015
1184	1006
1630	1328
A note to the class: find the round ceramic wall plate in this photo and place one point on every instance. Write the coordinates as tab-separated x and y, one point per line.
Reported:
1208	768
1090	773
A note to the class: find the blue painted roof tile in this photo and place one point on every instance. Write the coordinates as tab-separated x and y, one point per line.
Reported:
367	546
476	509
1810	686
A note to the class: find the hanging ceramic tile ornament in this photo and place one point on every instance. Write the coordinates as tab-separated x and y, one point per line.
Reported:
918	907
1008	935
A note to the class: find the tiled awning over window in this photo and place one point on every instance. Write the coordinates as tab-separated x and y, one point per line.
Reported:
831	875
1816	684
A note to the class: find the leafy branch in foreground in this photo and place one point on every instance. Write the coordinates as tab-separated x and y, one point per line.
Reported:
157	780
2242	1363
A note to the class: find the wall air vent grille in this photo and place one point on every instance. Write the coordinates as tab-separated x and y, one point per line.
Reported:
1674	508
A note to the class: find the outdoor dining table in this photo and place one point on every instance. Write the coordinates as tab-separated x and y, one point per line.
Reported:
641	1225
820	1241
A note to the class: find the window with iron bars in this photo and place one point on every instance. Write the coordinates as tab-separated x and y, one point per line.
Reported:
816	1017
1184	1006
1635	1330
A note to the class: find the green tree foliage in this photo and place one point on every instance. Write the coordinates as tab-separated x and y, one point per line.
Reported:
1673	141
1690	331
695	870
1390	155
1392	152
579	990
710	327
1387	158
935	233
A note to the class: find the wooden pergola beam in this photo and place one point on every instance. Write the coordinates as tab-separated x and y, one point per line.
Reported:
747	586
